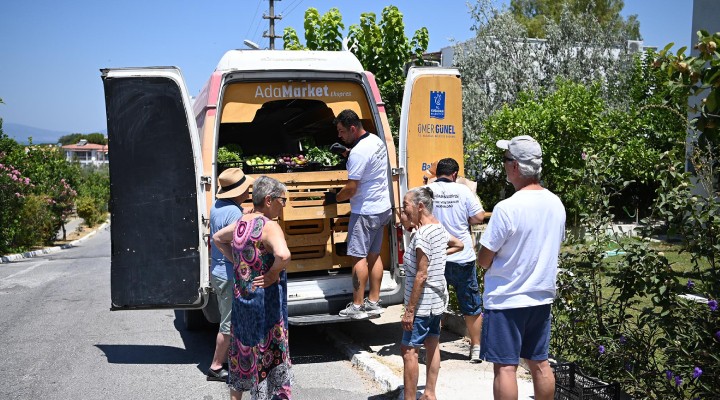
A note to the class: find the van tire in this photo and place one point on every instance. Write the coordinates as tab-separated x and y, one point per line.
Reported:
194	320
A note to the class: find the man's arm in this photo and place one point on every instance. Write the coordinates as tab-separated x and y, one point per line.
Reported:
454	245
477	219
485	257
348	190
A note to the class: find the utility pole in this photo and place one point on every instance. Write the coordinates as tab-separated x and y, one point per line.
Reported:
272	17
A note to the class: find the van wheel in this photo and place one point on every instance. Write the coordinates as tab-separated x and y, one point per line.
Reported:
194	320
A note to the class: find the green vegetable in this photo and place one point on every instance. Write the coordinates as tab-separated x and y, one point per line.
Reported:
322	156
229	153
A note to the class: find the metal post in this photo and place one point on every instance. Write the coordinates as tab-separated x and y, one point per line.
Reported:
272	17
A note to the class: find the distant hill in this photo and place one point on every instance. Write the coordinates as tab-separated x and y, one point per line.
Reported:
21	133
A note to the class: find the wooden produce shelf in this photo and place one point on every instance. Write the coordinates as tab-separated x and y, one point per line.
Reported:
306	204
314	179
307	232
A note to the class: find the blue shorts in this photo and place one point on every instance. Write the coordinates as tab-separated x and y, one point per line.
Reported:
365	233
423	327
508	335
463	277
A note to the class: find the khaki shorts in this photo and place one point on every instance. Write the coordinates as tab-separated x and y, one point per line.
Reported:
224	291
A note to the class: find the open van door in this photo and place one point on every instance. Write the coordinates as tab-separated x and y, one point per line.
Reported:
159	253
430	123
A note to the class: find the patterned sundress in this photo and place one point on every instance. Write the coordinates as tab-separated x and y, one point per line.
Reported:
259	355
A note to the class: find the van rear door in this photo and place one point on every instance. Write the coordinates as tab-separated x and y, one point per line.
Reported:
430	123
159	254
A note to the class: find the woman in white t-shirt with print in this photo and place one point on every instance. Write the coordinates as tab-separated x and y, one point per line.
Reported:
426	294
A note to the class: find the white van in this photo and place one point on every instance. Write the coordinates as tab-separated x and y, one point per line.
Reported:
164	170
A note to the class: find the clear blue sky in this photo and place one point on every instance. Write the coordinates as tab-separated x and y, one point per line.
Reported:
51	51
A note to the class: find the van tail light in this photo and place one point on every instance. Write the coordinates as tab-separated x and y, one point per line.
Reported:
400	244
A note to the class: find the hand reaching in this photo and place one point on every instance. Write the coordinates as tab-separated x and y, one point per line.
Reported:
338	149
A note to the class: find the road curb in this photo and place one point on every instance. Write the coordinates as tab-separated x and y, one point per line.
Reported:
366	362
49	250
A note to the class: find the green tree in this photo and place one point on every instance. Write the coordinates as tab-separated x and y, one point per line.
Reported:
73	138
500	62
536	14
97	138
382	47
322	32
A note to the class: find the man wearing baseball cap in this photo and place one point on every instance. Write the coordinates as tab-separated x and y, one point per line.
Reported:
232	192
520	250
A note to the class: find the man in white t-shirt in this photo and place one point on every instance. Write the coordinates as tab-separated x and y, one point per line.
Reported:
369	194
520	250
457	207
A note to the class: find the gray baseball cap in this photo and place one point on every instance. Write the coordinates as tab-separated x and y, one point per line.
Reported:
523	148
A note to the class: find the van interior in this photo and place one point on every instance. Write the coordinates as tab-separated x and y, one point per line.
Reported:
316	232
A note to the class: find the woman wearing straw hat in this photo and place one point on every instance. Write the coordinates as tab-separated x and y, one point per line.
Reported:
234	189
259	353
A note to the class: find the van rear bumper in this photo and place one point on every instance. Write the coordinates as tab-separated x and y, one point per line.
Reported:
329	295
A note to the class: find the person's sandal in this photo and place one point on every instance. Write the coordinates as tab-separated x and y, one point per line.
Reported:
218	375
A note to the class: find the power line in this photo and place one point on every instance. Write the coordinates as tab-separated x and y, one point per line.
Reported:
289	6
254	14
296	5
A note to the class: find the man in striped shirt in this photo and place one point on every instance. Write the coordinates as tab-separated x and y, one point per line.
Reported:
426	295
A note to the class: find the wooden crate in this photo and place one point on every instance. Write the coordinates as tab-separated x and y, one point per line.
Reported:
313	258
340	224
340	233
313	232
309	225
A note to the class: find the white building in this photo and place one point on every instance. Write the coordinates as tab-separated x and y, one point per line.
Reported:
87	153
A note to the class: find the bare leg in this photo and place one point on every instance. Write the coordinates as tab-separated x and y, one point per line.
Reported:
543	379
505	382
473	323
235	395
359	278
222	344
432	350
376	273
410	371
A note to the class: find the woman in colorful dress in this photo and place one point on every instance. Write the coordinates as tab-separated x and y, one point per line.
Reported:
259	358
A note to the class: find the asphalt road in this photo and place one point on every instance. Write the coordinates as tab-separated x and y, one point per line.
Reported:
58	340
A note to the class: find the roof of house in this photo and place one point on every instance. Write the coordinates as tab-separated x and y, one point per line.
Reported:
85	147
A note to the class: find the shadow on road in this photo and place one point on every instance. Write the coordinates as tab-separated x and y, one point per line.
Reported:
145	354
309	346
198	349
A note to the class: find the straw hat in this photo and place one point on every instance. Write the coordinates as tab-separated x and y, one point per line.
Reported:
233	183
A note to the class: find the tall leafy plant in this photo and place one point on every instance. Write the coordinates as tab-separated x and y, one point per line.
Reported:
381	47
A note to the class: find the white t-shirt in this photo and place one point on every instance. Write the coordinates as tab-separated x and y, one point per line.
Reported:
368	164
432	239
525	231
453	204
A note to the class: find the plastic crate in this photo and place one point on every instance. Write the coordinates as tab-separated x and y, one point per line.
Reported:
222	166
307	167
572	384
264	168
316	166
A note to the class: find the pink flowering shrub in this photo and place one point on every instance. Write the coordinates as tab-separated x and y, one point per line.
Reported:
14	187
